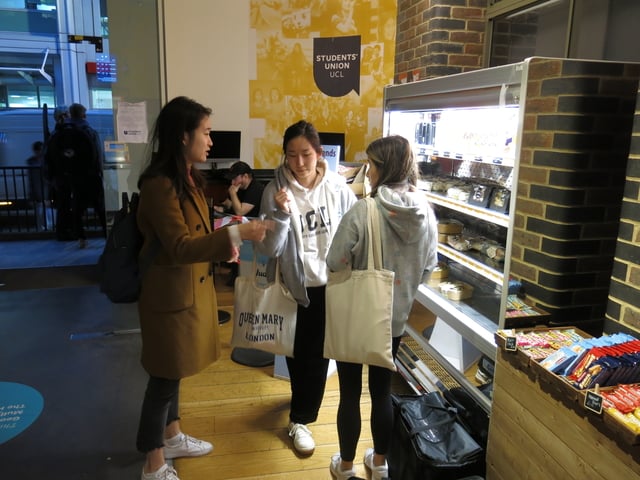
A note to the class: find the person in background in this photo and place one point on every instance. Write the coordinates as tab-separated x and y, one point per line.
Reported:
74	162
51	176
177	304
306	201
60	115
408	230
245	195
39	187
88	187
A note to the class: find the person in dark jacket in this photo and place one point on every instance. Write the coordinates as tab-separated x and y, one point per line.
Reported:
39	189
74	162
88	187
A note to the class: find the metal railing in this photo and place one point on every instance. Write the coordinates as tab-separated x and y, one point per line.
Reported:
27	209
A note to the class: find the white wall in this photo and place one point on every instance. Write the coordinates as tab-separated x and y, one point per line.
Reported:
213	36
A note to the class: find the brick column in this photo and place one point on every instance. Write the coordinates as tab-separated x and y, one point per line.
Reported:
624	292
571	181
439	37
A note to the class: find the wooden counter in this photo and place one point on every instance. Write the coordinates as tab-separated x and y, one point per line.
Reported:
534	435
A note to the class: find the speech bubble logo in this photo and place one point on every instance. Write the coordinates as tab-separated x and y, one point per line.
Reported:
20	406
336	65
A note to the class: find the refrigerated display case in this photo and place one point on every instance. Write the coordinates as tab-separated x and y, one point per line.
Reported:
470	134
466	136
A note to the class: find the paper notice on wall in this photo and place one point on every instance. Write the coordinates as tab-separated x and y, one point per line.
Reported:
131	121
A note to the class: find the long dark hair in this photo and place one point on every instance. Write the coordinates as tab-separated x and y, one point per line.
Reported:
302	128
393	157
181	115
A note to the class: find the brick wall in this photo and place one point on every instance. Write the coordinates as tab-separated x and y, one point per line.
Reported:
572	176
624	293
439	37
576	237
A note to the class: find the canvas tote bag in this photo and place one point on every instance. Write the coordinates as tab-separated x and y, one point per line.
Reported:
264	316
359	306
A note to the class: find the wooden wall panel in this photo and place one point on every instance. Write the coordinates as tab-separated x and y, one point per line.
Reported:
533	435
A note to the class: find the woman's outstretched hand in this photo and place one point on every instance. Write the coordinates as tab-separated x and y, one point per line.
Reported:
254	230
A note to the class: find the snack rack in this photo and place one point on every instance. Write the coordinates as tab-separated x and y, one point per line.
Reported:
543	425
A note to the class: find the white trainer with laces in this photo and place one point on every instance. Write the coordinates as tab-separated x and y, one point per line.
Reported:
163	473
380	472
186	446
302	439
334	468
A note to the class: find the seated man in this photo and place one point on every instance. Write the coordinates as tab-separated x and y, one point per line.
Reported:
244	199
244	193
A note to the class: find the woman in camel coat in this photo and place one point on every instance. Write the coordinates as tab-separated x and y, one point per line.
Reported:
177	304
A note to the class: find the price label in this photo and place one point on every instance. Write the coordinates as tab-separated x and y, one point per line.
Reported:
511	344
593	402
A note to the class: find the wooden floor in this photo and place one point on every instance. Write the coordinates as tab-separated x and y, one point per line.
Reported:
244	411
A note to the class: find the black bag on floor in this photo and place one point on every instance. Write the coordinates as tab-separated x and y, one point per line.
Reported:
472	416
429	442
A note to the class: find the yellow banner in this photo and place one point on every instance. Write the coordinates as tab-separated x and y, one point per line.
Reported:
323	61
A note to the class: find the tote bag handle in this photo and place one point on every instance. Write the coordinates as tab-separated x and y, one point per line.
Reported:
374	256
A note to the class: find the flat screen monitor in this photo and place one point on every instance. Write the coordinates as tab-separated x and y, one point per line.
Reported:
333	138
226	145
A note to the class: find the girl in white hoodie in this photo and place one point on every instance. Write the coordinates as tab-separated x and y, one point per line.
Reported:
408	230
305	201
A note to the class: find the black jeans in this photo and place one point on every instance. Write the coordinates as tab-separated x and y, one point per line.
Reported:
159	409
308	368
349	418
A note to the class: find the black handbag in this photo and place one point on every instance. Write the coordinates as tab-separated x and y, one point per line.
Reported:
429	442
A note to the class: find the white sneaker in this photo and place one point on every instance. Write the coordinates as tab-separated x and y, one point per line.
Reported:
377	472
302	439
186	446
165	472
334	468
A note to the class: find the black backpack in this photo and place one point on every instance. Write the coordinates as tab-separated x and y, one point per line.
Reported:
72	153
120	269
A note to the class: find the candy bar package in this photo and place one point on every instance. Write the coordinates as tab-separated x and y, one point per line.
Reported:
608	365
559	359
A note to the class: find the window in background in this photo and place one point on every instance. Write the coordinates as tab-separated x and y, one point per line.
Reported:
100	82
12	4
101	98
607	30
4	100
29	96
537	30
586	29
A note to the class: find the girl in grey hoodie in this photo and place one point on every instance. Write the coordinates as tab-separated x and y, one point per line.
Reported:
306	202
408	230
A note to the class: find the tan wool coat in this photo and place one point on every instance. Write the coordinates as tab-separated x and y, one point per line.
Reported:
178	307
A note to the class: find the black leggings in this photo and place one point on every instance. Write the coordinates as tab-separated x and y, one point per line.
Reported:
159	409
349	418
308	367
